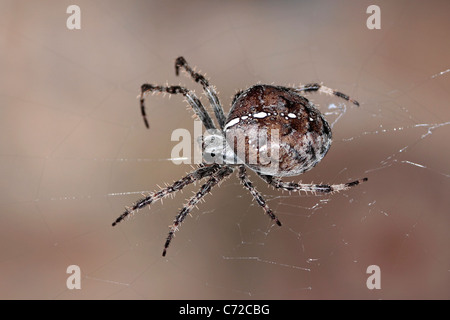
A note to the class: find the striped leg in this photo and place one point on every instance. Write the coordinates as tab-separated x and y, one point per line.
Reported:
191	98
209	90
316	87
198	174
256	195
205	189
322	188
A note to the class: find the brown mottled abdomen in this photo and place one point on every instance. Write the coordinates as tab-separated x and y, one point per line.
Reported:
276	131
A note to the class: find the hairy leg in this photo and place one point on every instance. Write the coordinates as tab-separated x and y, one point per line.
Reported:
200	173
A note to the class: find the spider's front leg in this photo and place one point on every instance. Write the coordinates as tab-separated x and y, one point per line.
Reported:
218	176
200	173
190	96
322	188
180	62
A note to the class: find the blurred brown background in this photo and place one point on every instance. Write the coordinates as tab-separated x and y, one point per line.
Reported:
74	151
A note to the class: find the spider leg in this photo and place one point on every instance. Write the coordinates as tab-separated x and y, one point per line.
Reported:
256	195
236	96
316	87
180	62
322	188
200	173
191	98
206	188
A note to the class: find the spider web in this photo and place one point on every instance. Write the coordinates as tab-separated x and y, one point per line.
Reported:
75	151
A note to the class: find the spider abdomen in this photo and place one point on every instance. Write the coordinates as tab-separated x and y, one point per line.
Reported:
275	131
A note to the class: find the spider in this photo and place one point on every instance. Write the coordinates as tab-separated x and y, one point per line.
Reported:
304	137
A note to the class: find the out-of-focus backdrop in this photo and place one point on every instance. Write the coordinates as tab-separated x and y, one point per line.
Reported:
74	151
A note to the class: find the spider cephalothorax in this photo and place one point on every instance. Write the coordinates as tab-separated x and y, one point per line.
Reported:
272	130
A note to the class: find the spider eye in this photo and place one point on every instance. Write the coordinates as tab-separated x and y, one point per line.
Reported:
213	147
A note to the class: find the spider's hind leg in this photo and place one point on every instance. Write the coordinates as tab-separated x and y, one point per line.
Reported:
317	87
236	96
322	188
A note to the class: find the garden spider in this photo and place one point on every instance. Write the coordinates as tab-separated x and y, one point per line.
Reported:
299	138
